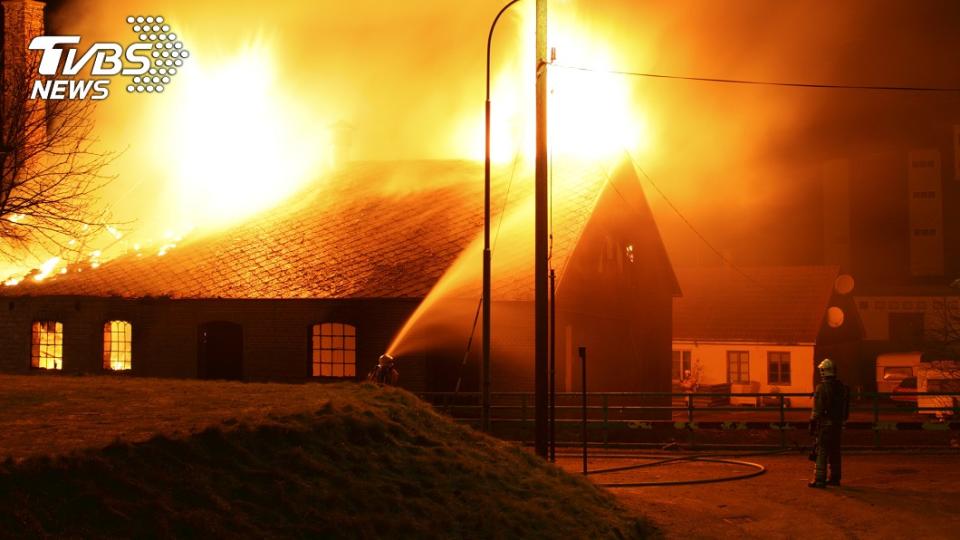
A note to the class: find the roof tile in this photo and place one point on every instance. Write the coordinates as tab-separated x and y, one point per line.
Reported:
387	229
784	304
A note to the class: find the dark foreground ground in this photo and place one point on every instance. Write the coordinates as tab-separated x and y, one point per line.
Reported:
883	496
105	457
119	457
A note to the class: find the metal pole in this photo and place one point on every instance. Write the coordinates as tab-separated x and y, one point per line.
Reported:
540	238
783	424
553	365
583	376
876	419
606	417
485	297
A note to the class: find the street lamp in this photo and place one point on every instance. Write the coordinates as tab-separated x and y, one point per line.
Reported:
485	297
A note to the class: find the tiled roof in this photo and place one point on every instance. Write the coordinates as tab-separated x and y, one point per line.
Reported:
785	304
375	230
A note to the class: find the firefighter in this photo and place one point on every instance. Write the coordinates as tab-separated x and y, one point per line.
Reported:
831	407
385	372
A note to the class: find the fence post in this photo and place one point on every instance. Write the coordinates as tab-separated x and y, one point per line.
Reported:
876	419
523	416
583	365
783	425
690	435
605	409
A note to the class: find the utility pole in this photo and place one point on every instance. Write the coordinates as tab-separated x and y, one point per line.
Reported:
553	366
540	241
486	296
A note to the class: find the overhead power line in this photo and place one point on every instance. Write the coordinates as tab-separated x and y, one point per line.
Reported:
686	221
764	83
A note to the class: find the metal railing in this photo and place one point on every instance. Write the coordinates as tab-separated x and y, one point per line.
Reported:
899	419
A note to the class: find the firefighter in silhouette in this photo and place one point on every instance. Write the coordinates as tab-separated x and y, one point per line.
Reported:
831	407
385	372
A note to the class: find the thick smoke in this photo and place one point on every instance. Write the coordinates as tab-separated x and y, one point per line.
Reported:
407	77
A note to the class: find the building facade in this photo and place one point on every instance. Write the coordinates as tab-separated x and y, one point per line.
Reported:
764	329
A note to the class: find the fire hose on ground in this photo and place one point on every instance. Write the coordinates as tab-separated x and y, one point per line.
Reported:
755	469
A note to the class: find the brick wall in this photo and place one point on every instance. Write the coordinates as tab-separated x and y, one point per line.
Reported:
276	343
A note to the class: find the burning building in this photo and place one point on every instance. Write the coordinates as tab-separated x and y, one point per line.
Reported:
318	289
376	256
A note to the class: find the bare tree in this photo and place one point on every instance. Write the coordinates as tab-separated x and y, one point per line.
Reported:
942	338
942	370
50	170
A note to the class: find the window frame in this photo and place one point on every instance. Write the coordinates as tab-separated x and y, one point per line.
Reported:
780	363
686	363
320	342
36	343
892	373
743	359
107	363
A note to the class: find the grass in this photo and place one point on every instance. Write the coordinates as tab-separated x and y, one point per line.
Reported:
111	457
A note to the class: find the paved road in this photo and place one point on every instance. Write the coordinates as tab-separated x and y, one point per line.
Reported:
883	496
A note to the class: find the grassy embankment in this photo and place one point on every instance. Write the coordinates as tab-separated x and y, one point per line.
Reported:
117	457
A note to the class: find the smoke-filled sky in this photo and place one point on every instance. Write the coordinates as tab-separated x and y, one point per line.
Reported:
741	162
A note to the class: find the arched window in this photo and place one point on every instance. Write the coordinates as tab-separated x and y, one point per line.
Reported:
333	350
46	350
117	345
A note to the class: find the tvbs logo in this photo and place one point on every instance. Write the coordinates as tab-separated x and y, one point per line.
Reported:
151	62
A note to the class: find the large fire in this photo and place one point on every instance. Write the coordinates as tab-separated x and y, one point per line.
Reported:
236	141
233	137
247	122
591	114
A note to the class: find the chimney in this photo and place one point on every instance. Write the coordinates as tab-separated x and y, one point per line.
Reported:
22	21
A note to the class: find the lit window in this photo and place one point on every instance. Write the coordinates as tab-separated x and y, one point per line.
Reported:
117	345
778	368
46	351
738	367
334	350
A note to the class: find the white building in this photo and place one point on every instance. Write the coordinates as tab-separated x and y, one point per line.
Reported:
764	329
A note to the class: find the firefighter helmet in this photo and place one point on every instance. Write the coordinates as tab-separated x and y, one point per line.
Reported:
826	368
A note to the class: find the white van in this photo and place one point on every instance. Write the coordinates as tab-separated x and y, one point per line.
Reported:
893	368
938	376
